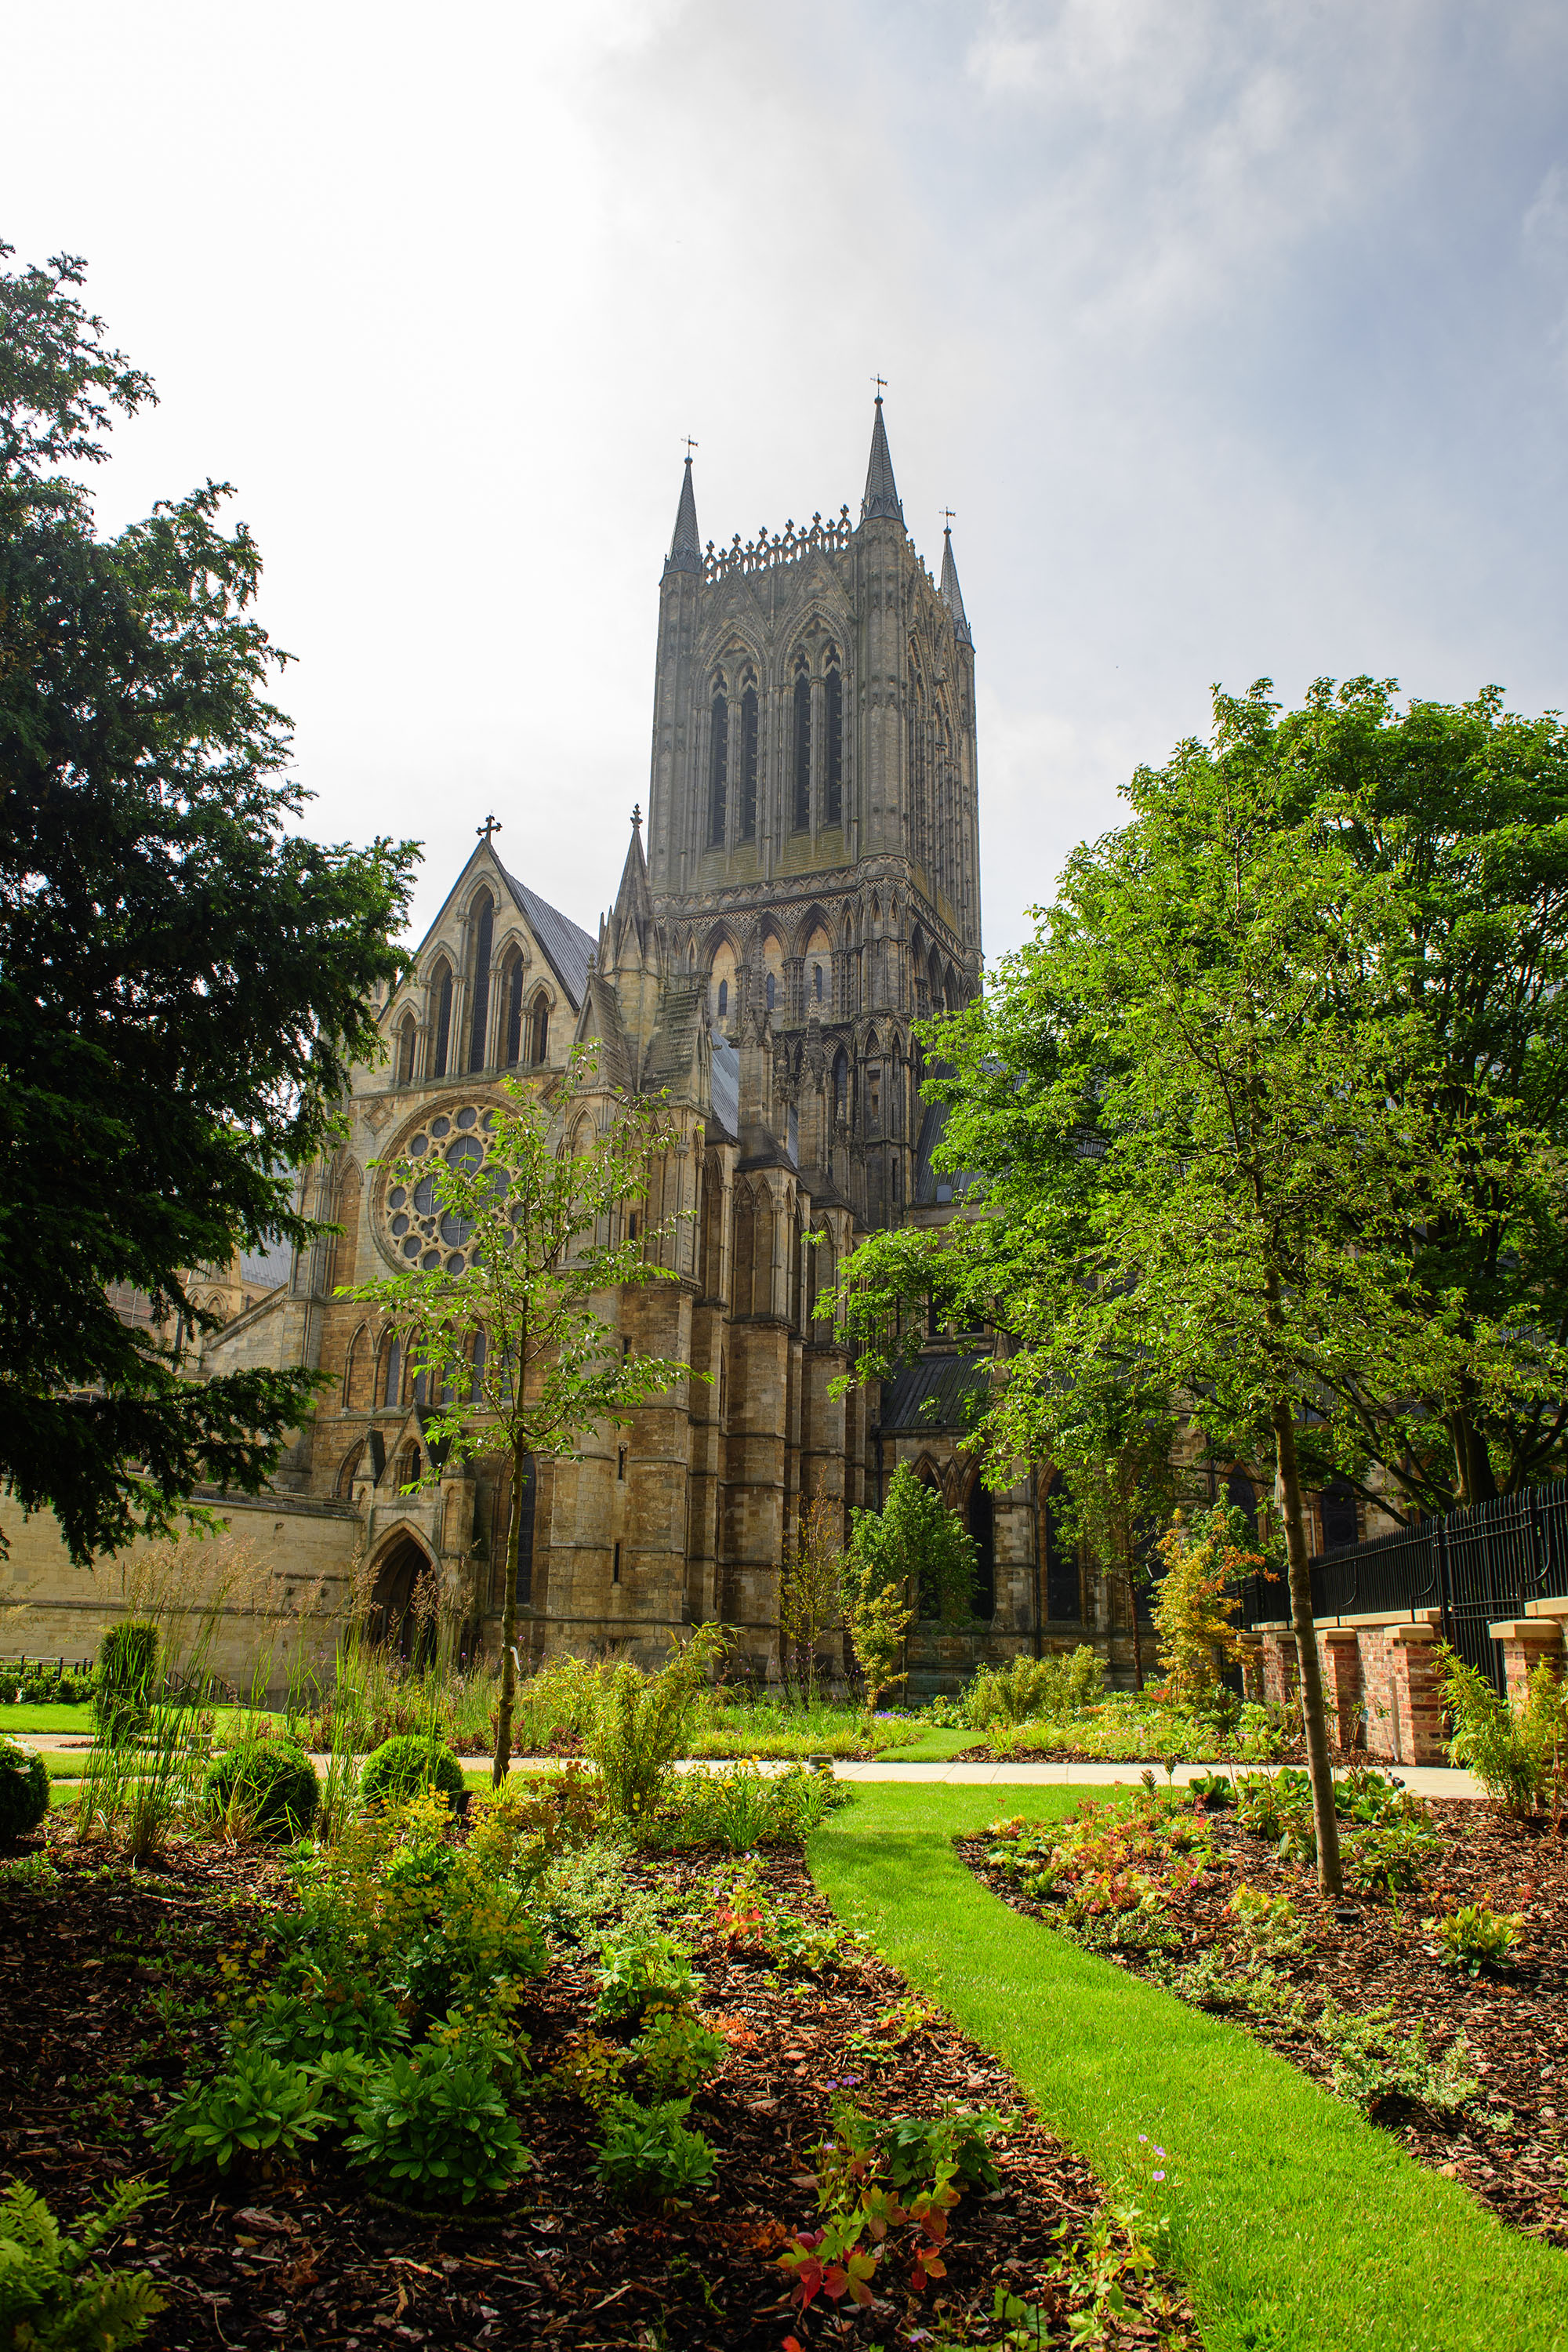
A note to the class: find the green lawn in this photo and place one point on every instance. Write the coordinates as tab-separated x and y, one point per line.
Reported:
1296	2227
933	1748
78	1719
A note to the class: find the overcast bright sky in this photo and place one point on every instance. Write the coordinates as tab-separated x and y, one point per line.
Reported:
1236	333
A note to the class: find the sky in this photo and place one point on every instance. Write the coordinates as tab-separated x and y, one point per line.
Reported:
1234	332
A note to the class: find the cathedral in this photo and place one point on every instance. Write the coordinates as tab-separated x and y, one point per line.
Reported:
808	891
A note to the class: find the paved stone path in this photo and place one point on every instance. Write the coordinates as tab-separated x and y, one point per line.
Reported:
1422	1779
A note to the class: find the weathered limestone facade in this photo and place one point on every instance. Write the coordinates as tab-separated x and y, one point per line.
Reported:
810	887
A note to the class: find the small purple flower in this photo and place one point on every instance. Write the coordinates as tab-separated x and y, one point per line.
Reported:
1157	2176
1158	2151
1142	2139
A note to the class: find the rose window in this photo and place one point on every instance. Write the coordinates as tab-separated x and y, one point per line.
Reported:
421	1232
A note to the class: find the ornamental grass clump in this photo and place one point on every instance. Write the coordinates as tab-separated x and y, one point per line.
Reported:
644	1721
129	1658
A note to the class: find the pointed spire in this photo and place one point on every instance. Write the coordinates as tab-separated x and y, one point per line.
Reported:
881	491
633	916
685	547
950	592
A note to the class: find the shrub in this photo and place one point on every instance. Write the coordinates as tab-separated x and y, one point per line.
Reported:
401	1767
24	1789
1389	1854
50	2296
1193	1607
644	1722
643	1972
433	2125
650	2151
913	2151
257	2106
1212	1789
1049	1689
676	2052
127	1659
1268	1921
1374	2061
1475	1938
267	1788
1517	1754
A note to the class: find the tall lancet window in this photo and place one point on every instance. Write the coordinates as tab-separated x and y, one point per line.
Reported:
407	1034
801	745
540	1050
513	1011
484	917
441	998
748	739
719	767
833	748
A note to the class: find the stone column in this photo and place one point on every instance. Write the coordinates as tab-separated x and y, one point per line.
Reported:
1414	1675
1525	1642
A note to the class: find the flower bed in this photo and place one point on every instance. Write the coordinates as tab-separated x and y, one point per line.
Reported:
683	2035
1435	1996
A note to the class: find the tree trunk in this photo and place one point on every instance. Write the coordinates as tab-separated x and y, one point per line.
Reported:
502	1763
1137	1636
1314	1718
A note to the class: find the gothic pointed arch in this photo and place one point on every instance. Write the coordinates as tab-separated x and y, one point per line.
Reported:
980	1518
402	1614
441	986
407	1034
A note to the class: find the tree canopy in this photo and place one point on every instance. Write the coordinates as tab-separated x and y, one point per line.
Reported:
186	979
1245	1128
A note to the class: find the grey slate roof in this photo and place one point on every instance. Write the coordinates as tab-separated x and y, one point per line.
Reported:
929	1395
567	946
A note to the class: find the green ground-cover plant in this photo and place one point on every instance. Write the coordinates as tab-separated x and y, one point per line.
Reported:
676	2052
403	1767
266	1788
738	1807
1137	1727
431	2125
54	2298
650	2152
257	2105
1264	2165
641	1972
24	1789
1473	1937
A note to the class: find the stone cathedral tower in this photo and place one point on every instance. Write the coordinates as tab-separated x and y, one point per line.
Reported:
813	850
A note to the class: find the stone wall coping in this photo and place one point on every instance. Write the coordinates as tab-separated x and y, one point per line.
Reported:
1425	1619
1555	1605
1543	1630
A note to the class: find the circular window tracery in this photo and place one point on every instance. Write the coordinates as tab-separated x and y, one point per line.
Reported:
419	1232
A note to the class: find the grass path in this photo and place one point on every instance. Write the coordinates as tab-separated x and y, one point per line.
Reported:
1296	2225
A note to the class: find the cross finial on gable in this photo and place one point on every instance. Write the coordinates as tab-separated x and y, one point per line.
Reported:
637	815
491	824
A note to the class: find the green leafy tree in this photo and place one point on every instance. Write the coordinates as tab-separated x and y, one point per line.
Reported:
185	980
1114	1449
914	1557
517	1350
1196	1604
1210	1142
811	1591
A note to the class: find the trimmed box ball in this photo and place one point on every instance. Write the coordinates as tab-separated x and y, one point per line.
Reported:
401	1767
24	1789
270	1781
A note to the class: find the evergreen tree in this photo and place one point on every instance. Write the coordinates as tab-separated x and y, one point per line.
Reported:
185	978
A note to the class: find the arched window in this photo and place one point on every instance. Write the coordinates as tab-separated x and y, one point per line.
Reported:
1240	1491
441	995
477	1369
723	999
1064	1599
841	1085
348	1470
833	748
1339	1513
719	767
748	739
802	768
773	992
514	1012
392	1385
982	1517
540	1045
484	917
408	1032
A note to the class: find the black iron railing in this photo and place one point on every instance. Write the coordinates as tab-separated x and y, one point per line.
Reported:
1474	1568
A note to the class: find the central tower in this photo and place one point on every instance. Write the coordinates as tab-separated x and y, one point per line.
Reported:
813	828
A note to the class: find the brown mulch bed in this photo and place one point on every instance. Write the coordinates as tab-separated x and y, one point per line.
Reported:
87	2063
1509	2145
